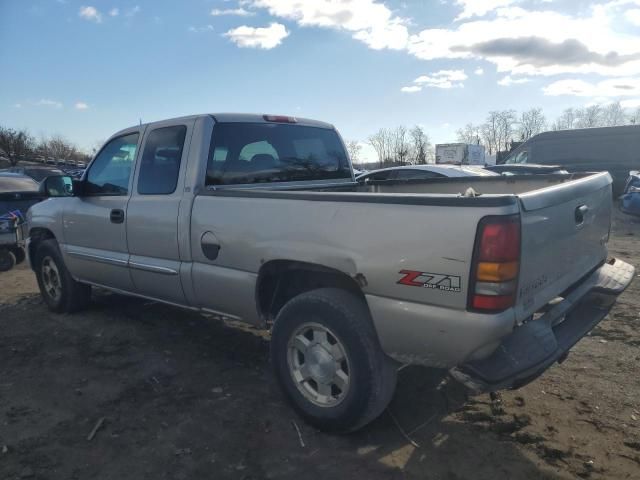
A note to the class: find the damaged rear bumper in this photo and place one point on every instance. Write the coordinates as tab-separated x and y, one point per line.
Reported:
536	345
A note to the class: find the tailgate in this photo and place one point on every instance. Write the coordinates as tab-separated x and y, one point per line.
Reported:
565	229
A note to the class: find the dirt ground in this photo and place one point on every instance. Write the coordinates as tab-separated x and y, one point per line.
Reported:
189	397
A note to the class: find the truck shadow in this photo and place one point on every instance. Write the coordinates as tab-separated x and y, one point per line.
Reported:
184	396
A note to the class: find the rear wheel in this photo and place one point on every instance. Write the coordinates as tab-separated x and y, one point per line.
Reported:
328	360
60	291
7	260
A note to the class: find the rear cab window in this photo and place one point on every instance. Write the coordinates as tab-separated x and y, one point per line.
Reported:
160	164
251	153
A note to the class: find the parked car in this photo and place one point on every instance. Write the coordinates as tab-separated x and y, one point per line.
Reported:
612	149
422	172
11	182
17	194
630	198
75	172
258	218
37	172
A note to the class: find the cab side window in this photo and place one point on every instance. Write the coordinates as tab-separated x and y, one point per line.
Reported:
110	172
160	163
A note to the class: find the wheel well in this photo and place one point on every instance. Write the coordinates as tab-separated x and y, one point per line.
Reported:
281	280
38	235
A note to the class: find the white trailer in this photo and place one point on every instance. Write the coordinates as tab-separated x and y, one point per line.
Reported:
460	154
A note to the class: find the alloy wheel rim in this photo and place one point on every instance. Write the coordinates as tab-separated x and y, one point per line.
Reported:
51	279
319	365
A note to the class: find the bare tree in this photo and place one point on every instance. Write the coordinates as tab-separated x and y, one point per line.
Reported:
490	132
469	134
401	145
15	144
382	143
506	122
634	118
613	115
532	122
420	145
353	148
566	121
589	117
60	148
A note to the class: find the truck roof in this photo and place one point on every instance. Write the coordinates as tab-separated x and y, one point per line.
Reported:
233	118
592	131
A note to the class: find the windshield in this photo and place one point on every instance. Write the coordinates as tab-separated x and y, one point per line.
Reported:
245	153
520	157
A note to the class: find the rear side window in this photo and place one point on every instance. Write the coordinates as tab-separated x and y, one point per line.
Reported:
160	164
416	174
249	153
384	175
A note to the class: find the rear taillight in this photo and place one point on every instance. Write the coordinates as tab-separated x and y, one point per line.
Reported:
496	263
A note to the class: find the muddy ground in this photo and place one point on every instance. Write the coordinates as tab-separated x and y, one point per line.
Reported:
188	397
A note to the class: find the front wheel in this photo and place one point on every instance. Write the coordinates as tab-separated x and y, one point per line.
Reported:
328	360
60	291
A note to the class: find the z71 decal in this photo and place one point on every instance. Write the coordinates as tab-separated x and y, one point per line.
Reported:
448	283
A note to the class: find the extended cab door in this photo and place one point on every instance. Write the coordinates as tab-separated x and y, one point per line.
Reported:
154	209
95	237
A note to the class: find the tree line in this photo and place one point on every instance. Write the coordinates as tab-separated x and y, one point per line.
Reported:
19	145
505	126
402	146
397	146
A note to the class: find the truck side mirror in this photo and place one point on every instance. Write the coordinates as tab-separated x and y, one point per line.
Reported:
57	186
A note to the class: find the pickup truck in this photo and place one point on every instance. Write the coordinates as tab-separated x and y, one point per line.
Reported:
258	218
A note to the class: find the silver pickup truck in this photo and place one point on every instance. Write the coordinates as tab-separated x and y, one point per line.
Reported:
258	218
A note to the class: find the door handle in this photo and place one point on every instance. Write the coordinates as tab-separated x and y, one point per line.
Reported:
116	215
580	213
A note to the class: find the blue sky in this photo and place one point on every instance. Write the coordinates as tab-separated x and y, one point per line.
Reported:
86	68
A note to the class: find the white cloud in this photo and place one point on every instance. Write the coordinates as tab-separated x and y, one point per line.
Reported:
114	12
443	79
17	105
45	102
509	80
610	88
411	89
265	37
369	21
479	8
633	16
528	42
90	13
81	106
240	12
479	71
206	28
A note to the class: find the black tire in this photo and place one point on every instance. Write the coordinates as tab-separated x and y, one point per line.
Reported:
18	252
72	296
371	374
7	260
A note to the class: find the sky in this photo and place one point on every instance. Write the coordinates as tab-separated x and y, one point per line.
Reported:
87	68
